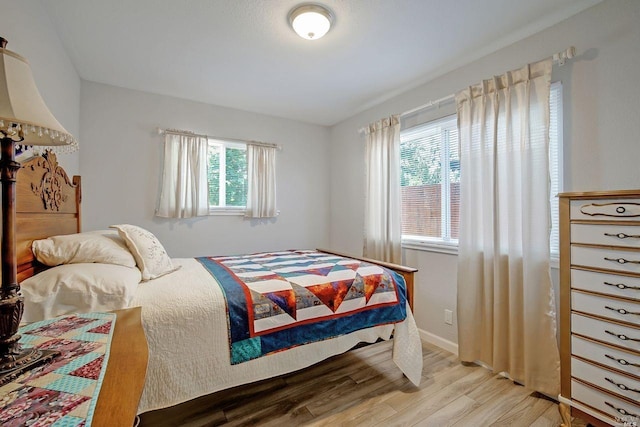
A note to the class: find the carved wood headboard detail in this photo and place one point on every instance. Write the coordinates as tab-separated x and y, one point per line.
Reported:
47	204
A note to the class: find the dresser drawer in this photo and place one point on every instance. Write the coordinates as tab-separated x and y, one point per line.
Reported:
606	234
625	311
606	210
618	409
610	259
615	383
622	336
605	355
606	283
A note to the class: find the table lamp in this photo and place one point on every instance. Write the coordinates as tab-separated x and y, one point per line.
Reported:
25	121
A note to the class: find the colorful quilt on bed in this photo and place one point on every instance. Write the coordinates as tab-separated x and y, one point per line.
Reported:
279	300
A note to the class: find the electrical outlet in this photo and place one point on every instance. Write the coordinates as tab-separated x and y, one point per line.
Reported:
448	317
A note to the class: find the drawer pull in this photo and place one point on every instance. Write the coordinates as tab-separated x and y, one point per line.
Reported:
622	260
622	361
622	310
623	235
622	411
622	286
622	336
594	209
622	386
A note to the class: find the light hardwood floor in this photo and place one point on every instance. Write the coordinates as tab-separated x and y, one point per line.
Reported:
363	387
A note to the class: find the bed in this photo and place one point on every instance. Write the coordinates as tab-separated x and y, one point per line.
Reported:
184	311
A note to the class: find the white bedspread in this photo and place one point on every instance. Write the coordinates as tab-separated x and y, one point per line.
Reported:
189	344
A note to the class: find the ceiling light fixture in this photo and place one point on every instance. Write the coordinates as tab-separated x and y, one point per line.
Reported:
310	21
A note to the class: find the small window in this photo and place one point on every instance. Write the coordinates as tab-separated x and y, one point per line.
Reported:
430	180
227	176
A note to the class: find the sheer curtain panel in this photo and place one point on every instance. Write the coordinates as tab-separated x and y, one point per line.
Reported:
261	177
184	192
506	307
382	215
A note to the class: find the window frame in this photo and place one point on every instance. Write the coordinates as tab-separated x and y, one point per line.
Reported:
434	244
224	210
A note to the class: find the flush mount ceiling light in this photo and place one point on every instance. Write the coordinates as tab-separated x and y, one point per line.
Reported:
310	21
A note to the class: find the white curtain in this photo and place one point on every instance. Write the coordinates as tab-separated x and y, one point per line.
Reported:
184	192
506	310
261	176
382	215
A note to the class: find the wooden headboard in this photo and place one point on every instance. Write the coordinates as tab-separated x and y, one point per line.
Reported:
47	204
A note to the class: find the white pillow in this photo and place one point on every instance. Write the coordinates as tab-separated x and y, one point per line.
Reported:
151	257
78	288
103	246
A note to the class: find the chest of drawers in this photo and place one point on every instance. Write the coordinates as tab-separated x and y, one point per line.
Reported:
600	307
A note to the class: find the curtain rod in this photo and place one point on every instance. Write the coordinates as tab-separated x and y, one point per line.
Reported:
244	141
435	103
559	58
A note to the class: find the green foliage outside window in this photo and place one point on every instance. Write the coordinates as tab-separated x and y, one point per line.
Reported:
236	181
213	176
420	163
229	171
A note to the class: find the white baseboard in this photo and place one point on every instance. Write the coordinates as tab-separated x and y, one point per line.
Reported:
439	341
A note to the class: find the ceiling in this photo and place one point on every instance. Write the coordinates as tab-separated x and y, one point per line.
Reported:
243	54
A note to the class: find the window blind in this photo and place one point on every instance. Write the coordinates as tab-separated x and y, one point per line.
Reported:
555	163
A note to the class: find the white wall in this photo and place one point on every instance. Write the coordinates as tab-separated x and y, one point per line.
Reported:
601	133
27	27
121	158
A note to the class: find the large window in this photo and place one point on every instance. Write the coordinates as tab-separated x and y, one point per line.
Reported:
227	176
430	180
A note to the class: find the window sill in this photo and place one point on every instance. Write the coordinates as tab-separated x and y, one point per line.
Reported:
227	211
452	249
439	247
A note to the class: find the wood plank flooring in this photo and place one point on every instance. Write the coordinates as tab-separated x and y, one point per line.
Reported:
363	387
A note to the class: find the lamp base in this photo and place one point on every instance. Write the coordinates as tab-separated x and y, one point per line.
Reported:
15	365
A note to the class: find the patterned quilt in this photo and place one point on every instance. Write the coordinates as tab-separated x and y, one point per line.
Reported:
64	392
279	300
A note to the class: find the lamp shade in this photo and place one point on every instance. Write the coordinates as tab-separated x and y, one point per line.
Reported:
311	21
23	114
